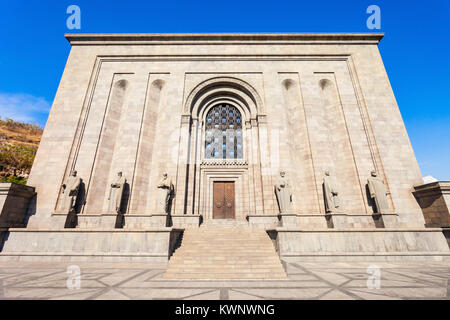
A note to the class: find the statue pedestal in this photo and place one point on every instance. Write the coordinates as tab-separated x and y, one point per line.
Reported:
160	219
289	219
137	221
89	221
312	221
264	220
111	220
145	221
385	220
86	221
62	220
336	220
185	220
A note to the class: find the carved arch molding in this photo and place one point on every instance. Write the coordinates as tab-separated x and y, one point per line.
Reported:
224	86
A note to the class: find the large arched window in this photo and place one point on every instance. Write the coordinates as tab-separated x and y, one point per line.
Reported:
223	136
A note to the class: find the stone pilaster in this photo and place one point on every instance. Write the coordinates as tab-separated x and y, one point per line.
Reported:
266	169
180	192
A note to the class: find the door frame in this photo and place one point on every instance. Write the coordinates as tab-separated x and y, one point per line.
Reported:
225	185
206	192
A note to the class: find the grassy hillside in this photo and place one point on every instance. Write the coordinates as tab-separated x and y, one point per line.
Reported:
18	145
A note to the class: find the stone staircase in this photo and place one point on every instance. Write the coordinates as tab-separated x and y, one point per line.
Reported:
222	249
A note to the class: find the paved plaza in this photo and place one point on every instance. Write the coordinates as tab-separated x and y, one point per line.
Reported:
306	280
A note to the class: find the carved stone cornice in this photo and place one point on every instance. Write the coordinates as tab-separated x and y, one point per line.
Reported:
234	38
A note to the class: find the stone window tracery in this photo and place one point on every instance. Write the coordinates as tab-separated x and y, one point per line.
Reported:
223	134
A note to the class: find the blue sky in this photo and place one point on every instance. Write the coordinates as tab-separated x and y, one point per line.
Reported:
416	49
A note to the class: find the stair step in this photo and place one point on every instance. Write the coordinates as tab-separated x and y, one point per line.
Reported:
202	259
228	270
225	250
224	263
199	257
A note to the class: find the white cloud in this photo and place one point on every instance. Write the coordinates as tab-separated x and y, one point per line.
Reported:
429	179
24	107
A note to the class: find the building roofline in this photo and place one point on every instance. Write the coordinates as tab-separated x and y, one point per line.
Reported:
233	38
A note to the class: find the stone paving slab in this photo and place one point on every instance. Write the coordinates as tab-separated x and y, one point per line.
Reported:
306	280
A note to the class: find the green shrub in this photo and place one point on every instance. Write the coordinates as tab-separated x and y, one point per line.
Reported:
16	125
18	156
13	179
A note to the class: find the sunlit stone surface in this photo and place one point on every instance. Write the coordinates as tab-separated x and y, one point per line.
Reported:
222	115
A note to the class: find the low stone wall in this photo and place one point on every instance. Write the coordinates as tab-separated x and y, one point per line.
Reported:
361	244
89	245
185	220
434	199
14	201
264	221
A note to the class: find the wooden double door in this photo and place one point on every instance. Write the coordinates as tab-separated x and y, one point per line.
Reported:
224	201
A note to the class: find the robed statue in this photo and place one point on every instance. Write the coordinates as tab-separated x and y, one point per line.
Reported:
165	192
70	191
330	194
283	193
378	192
116	194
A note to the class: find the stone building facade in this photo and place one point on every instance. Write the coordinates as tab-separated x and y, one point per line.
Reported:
222	115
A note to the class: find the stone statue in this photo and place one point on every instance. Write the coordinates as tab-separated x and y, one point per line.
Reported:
378	193
330	194
70	190
283	193
116	194
165	191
